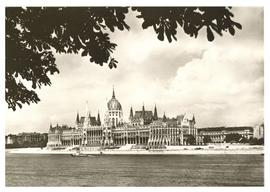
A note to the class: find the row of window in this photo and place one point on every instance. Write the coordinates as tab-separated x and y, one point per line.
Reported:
164	131
114	113
224	133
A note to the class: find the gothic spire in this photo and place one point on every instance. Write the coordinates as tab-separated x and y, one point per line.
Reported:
155	113
98	119
131	113
89	115
164	117
86	110
143	110
77	118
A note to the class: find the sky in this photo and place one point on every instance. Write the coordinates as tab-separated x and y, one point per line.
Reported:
220	82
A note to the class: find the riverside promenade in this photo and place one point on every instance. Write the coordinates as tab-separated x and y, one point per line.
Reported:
170	150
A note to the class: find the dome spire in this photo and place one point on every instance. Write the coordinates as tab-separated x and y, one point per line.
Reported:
113	94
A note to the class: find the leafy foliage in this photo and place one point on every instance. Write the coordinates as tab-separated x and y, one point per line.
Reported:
207	139
255	141
191	140
165	20
233	138
33	34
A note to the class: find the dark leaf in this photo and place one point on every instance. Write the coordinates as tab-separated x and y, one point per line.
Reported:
144	25
84	53
210	35
168	36
161	36
238	25
231	30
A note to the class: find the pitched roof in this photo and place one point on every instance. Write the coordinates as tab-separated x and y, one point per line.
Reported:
82	119
147	114
93	121
171	122
180	117
189	116
225	128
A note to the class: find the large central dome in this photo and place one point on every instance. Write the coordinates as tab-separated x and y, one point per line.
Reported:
114	104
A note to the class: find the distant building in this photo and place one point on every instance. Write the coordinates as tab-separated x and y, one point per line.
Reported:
218	134
259	131
10	139
26	140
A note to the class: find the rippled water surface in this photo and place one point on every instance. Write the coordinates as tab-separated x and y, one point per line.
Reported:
134	170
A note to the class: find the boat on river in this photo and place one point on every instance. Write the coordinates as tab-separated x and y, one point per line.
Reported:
78	154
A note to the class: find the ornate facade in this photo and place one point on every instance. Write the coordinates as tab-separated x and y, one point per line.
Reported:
144	128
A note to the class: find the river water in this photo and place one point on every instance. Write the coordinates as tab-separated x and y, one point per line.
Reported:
134	170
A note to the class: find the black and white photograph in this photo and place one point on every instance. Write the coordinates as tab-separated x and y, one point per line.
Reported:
134	96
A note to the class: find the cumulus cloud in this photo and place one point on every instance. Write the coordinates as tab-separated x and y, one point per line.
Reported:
222	84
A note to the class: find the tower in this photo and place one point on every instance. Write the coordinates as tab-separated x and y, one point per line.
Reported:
164	117
131	114
143	111
114	114
86	124
77	121
155	114
193	119
77	118
98	119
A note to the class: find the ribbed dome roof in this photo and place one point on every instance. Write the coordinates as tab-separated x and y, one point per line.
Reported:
114	104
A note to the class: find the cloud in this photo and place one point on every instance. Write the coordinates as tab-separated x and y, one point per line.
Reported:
221	82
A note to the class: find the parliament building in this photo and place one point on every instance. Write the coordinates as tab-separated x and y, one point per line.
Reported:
144	129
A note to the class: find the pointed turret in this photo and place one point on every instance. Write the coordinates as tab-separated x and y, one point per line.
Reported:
143	111
77	119
155	113
164	117
89	115
193	119
131	114
98	120
86	110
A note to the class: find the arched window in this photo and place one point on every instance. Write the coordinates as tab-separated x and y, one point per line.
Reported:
113	122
